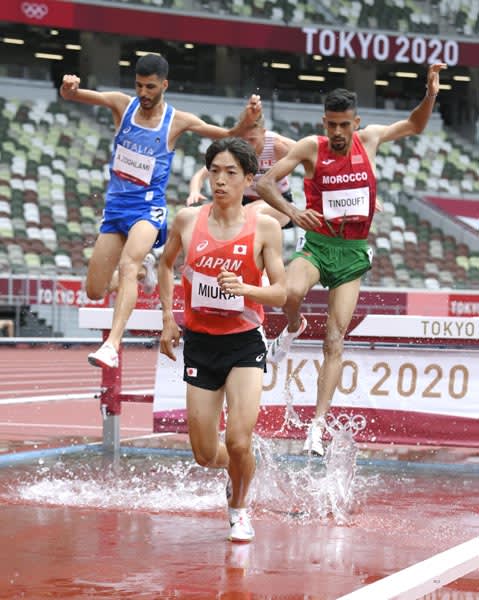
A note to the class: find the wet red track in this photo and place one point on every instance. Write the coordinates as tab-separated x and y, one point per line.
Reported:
50	393
63	551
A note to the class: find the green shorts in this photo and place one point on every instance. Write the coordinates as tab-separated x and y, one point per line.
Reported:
337	260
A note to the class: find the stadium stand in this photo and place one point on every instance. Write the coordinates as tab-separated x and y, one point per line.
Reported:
411	252
285	11
54	166
434	162
445	17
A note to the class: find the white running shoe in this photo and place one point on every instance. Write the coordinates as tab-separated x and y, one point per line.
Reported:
150	280
279	347
241	528
105	357
314	437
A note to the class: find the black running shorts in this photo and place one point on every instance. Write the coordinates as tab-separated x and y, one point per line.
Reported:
209	358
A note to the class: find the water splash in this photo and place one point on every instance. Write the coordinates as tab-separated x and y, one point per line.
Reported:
291	417
137	484
312	490
341	463
285	488
340	471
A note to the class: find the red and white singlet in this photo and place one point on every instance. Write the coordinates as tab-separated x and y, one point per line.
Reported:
207	308
265	161
343	189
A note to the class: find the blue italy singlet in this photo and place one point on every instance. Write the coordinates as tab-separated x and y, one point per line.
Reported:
139	170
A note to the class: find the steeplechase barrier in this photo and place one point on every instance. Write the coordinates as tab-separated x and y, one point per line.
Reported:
412	378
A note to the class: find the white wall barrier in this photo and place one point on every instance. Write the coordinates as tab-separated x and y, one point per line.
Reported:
423	388
415	394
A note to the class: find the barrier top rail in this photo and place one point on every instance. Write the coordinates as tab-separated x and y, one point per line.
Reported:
373	328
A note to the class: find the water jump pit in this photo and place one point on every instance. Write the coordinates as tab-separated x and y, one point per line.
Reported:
149	523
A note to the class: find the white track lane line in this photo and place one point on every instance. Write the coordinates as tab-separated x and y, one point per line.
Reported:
63	397
423	577
69	426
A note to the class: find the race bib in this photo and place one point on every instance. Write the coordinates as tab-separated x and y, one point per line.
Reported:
133	166
158	213
346	205
206	295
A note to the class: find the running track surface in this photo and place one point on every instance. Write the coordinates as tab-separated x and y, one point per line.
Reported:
49	392
68	552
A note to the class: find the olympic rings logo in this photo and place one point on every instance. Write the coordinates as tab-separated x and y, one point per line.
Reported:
34	11
344	422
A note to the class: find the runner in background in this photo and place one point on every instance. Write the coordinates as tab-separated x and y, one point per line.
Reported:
135	215
269	147
340	189
227	247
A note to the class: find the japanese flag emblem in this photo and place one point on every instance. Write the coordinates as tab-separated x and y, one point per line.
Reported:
192	372
240	249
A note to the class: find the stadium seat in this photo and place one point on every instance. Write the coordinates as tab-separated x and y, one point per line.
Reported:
63	262
5	210
397	240
6	227
54	169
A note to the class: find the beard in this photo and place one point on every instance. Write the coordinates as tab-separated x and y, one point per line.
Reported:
339	145
150	103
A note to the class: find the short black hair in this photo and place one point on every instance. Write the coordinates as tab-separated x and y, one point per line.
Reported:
242	151
152	64
340	100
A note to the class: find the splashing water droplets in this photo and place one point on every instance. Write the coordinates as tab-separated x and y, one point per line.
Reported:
340	471
291	417
313	490
291	488
171	486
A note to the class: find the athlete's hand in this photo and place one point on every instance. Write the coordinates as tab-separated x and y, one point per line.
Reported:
69	87
254	106
307	219
170	338
195	198
432	85
252	111
231	283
